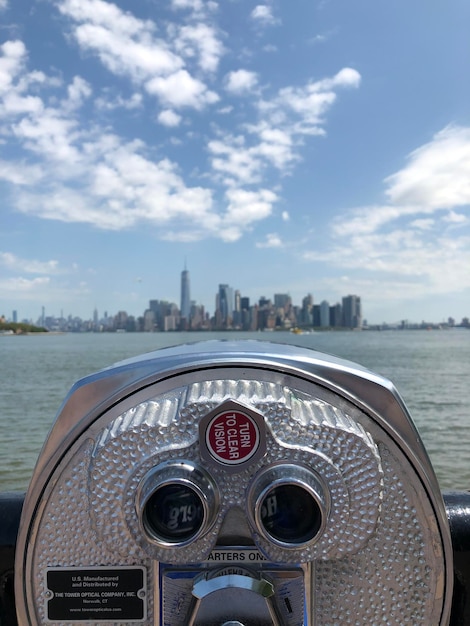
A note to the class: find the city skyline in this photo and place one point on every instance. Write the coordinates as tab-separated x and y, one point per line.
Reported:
297	147
228	302
64	312
232	310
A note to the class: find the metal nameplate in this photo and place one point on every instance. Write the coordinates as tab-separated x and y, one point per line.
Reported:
98	594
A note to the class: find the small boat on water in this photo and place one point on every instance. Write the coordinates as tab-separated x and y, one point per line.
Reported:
298	331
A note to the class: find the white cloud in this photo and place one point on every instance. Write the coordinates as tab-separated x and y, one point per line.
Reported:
275	140
3	5
414	236
108	102
436	178
96	177
263	14
318	39
20	173
272	241
234	161
169	118
78	91
11	62
129	47
14	103
105	14
13	262
93	176
196	9
48	132
225	110
241	82
194	5
139	60
181	90
276	145
437	175
285	216
15	81
124	44
309	103
20	286
51	135
347	77
269	47
44	289
119	188
423	224
245	208
201	41
438	265
366	220
455	218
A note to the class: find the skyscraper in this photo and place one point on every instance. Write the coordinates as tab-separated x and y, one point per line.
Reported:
225	305
352	314
237	309
185	307
324	314
282	300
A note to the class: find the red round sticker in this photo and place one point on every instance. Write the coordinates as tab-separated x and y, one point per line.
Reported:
232	437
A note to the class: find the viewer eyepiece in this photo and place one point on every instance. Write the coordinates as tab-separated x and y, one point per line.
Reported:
177	503
173	513
290	514
289	504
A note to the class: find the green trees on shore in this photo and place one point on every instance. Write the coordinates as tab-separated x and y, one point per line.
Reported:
20	328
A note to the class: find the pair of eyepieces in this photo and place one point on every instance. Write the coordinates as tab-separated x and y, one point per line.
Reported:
178	502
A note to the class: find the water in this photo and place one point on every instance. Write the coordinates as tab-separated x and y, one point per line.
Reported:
430	369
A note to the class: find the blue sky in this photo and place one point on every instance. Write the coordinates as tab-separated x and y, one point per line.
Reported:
281	147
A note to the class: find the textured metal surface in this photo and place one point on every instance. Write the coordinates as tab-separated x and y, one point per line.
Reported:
458	512
90	517
384	554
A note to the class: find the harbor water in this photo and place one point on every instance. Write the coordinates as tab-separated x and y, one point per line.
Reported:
431	370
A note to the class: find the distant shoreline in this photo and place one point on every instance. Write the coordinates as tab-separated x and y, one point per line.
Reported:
43	333
10	329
